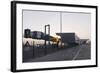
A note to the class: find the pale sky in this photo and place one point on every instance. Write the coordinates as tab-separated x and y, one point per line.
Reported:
80	23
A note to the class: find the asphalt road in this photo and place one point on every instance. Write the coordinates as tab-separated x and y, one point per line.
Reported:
81	52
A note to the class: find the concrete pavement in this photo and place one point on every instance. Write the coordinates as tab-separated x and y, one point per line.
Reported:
75	53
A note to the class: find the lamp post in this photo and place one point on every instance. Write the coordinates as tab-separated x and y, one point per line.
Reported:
61	26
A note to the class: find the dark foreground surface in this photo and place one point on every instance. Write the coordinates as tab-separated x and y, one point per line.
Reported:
81	52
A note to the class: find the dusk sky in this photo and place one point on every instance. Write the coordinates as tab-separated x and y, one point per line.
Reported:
80	23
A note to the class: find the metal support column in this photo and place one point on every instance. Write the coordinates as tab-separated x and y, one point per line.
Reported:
47	36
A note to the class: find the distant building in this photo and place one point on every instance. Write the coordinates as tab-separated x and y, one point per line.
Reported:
83	41
88	41
69	38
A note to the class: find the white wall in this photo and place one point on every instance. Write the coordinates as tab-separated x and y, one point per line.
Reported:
5	36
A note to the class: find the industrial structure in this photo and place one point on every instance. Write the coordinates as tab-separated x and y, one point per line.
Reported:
46	40
69	38
42	43
42	39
